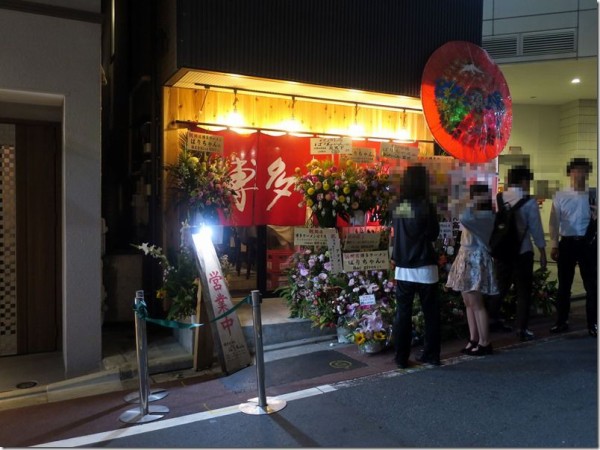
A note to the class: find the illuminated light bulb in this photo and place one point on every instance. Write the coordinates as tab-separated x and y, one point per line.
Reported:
291	125
234	119
356	130
403	135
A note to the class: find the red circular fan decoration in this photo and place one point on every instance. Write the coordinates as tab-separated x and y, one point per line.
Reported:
466	102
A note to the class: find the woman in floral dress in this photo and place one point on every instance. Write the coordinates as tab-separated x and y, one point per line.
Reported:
472	272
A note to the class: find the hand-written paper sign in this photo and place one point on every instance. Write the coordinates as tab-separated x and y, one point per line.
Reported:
310	237
363	155
378	260
394	151
331	146
234	352
335	251
356	242
445	230
202	142
367	299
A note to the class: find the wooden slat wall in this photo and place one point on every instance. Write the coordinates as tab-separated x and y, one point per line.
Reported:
269	112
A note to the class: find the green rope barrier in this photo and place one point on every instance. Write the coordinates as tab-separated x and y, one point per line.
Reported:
141	311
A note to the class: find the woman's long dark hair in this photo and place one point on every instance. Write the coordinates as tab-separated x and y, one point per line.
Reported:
480	188
415	184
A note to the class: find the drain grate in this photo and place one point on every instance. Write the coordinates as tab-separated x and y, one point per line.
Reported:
26	384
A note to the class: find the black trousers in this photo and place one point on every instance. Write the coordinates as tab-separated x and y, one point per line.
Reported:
520	272
571	253
430	304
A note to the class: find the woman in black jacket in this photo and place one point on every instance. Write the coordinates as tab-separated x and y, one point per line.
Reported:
416	227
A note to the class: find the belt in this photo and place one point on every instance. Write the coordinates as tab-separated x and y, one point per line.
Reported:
572	238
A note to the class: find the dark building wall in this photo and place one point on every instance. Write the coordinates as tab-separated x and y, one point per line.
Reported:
375	45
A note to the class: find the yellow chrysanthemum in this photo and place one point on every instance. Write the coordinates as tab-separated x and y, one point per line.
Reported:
346	190
310	191
309	203
341	199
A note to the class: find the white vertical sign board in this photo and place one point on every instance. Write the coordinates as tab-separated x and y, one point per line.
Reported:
335	250
234	350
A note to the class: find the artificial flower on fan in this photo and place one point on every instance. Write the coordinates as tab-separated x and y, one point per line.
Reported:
202	181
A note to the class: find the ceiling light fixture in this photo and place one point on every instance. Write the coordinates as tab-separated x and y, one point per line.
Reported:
356	130
575	81
403	134
234	119
292	125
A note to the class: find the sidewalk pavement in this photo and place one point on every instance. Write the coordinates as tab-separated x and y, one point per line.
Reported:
511	377
169	362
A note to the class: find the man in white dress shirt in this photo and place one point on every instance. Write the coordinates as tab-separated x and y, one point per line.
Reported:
520	270
572	210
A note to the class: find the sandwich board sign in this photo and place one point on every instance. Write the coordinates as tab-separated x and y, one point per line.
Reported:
227	331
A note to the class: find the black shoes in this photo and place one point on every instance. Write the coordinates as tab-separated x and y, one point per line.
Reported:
466	350
482	350
405	364
525	335
425	359
559	328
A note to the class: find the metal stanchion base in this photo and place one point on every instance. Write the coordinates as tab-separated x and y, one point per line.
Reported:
273	405
135	415
155	394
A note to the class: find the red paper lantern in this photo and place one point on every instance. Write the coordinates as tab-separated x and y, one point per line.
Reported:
466	102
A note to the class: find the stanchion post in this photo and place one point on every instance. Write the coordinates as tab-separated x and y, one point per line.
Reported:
258	343
260	405
145	413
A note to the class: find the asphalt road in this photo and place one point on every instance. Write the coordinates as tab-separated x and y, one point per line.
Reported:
543	394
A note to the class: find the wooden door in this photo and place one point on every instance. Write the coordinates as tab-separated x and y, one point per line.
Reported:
37	160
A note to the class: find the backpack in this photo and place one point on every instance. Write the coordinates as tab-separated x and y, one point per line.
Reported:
505	240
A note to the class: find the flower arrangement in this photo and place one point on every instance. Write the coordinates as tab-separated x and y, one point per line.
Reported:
180	280
331	191
202	181
366	306
311	288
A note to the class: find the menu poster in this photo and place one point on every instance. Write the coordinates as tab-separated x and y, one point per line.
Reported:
202	142
358	261
331	146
